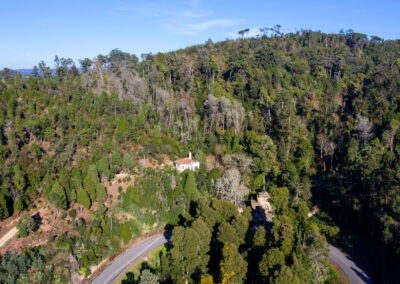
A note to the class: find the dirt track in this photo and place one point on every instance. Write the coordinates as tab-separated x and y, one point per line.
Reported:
10	234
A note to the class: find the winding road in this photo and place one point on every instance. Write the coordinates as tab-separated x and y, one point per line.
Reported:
125	260
352	270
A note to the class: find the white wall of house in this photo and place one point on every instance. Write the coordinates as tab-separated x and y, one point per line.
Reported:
192	166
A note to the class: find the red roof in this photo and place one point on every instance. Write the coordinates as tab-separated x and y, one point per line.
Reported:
184	161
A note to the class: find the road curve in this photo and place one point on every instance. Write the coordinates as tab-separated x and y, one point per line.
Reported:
125	260
353	272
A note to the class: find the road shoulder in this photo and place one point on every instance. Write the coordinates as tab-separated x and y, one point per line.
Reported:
105	263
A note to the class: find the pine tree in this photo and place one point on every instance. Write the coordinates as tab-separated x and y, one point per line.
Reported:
206	279
116	162
83	198
90	188
26	225
18	205
103	167
57	196
147	277
64	181
3	207
128	161
101	193
259	237
272	260
203	247
93	174
184	254
233	266
18	178
190	185
125	233
121	129
72	195
226	233
76	179
140	118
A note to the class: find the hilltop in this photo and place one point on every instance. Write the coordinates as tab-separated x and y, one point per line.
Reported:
311	118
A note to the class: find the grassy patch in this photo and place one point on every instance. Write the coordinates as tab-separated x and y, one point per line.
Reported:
148	261
336	275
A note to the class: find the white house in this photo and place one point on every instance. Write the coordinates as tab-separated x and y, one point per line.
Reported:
186	164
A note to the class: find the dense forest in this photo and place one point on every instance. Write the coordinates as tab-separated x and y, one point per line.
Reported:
309	117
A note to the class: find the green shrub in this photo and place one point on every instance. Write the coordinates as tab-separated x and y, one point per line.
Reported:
72	213
26	225
125	233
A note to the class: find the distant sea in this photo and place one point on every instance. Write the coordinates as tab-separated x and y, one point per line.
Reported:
24	71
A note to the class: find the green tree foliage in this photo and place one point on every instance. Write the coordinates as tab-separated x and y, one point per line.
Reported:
19	179
272	261
128	162
121	129
90	187
18	205
116	162
103	167
101	193
185	256
83	198
233	266
25	225
281	113
93	174
140	119
125	233
227	234
190	185
280	197
3	207
15	268
147	277
57	196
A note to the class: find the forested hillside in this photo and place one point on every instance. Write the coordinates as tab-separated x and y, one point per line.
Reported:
311	118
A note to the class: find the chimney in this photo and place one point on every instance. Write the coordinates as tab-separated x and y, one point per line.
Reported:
190	155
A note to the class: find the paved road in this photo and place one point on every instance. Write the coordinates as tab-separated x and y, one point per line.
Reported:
125	260
355	274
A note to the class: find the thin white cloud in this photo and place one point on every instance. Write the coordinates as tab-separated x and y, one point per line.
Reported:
191	18
191	15
205	25
182	28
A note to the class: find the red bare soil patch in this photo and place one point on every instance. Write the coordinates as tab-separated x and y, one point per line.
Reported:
112	190
51	225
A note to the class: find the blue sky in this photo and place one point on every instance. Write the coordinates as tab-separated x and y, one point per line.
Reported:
34	30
